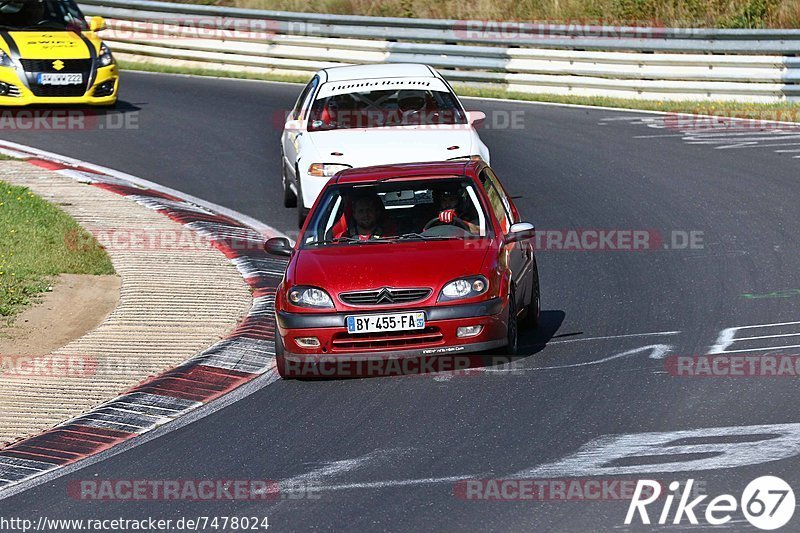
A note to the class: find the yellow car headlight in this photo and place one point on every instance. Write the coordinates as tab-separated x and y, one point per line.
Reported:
105	58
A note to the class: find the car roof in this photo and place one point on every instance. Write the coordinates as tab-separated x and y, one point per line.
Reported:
392	70
444	169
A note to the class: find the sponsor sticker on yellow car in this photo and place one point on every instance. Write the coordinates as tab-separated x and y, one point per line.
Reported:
50	55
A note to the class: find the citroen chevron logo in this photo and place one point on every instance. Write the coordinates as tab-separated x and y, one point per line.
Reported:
385	296
58	64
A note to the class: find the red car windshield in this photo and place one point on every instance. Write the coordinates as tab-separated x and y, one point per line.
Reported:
375	109
391	211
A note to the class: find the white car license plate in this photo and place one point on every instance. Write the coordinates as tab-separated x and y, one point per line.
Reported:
60	79
381	323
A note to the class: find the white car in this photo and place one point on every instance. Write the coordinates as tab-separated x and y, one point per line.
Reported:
358	116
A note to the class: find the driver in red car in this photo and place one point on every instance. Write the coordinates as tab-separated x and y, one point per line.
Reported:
452	206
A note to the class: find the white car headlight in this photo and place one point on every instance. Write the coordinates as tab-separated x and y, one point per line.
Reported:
325	170
464	288
310	297
105	58
5	60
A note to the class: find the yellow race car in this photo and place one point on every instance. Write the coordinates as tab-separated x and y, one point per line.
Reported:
50	55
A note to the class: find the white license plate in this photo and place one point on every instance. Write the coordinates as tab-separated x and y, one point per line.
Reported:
381	323
60	79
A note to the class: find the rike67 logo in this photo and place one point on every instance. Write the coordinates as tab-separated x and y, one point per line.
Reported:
767	503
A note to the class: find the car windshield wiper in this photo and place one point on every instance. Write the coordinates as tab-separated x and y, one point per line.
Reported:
347	240
406	236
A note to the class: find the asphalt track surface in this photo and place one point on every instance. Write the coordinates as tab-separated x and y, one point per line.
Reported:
386	452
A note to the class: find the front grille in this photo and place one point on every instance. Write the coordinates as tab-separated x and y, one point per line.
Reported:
46	65
34	67
58	90
384	296
343	342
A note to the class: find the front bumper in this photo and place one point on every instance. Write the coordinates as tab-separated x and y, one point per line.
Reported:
439	336
311	187
24	96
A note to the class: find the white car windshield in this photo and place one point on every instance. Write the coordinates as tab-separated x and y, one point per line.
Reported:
391	211
394	107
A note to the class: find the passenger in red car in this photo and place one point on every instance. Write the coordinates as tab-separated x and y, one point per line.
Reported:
369	218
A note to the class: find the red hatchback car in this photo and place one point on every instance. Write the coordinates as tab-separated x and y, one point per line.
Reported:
404	261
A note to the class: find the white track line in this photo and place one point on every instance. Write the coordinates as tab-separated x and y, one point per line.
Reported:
390	483
762	349
631	335
248	388
767	325
766	337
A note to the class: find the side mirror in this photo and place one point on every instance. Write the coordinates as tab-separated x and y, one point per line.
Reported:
97	24
521	231
278	246
293	125
476	118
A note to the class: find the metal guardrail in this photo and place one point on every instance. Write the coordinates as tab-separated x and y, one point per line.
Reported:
652	63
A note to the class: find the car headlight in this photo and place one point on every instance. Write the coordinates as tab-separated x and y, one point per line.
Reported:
105	58
310	297
325	170
464	288
5	60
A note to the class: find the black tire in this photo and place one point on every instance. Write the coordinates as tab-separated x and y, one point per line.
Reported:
302	212
533	311
289	197
280	359
506	353
513	327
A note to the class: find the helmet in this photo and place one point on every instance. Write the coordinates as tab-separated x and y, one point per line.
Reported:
448	192
411	100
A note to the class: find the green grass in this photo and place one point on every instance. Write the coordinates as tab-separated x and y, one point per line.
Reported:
678	13
4	157
39	243
169	69
782	111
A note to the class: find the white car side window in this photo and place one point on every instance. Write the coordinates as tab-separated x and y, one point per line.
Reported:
309	97
303	99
